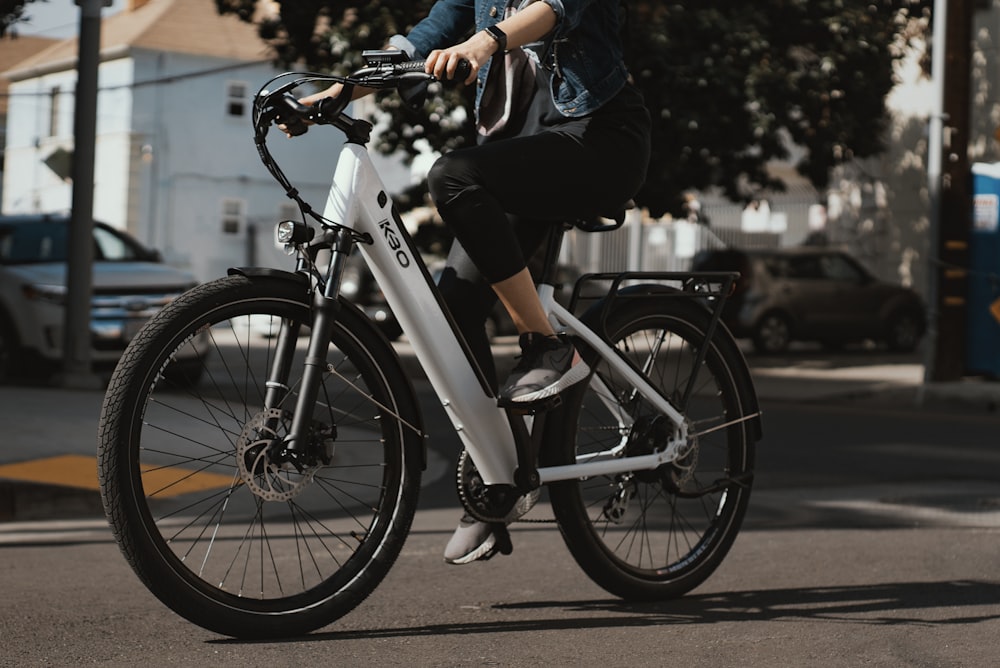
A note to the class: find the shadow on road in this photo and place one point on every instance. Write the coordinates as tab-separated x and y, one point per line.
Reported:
887	604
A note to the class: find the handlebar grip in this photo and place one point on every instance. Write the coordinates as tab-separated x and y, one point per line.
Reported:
293	115
462	72
410	66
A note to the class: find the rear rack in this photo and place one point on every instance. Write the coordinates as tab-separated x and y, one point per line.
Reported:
708	285
712	288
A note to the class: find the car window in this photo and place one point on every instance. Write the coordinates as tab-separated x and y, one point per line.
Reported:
33	242
112	248
776	266
805	267
47	241
838	268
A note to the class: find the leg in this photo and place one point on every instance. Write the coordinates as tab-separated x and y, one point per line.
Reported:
471	300
519	297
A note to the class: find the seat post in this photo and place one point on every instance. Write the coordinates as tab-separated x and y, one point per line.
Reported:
552	248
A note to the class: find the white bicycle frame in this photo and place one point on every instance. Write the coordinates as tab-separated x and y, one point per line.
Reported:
358	199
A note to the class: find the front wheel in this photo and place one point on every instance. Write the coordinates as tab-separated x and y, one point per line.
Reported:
216	523
657	534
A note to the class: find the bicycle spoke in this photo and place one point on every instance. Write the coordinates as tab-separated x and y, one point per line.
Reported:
657	532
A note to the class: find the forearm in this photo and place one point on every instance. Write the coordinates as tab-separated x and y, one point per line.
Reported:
528	25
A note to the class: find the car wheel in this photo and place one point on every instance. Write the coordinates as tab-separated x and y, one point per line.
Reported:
903	332
8	348
772	334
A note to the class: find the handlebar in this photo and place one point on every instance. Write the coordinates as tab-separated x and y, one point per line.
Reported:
383	70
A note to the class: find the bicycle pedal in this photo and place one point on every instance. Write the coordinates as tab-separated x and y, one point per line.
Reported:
535	407
503	543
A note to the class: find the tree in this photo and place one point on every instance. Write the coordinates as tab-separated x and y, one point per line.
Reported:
731	85
11	13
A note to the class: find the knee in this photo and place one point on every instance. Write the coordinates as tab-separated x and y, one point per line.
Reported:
450	175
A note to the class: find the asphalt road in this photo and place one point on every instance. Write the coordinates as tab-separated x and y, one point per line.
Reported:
870	541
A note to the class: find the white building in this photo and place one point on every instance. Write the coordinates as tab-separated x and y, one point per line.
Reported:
176	165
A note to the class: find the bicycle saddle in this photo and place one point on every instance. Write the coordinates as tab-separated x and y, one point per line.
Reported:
599	223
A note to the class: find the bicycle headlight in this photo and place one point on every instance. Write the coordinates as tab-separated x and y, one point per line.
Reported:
289	232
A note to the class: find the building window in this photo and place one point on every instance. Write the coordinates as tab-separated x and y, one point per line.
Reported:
236	99
233	215
54	111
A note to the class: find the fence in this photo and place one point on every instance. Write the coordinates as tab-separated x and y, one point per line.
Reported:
656	246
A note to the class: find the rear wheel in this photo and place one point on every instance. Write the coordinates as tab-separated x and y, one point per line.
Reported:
212	519
659	533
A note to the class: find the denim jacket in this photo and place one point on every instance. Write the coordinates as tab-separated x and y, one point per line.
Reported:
583	51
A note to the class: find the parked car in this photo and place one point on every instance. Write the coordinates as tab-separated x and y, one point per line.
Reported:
814	294
130	283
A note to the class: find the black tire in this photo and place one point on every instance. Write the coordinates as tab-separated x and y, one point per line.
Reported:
772	334
198	530
8	350
653	535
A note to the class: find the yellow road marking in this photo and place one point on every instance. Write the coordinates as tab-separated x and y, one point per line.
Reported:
81	472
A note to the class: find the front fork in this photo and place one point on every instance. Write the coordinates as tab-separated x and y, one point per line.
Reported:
325	308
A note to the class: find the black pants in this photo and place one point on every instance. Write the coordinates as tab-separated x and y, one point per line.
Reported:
499	197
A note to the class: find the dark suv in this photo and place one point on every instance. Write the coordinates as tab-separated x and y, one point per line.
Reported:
814	294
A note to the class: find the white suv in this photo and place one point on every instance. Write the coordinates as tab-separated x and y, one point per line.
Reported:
130	283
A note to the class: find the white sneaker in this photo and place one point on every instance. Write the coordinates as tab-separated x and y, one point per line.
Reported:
472	540
546	367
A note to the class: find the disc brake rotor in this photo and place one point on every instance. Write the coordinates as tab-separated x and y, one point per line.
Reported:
267	479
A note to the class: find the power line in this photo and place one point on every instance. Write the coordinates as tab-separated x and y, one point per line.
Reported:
169	79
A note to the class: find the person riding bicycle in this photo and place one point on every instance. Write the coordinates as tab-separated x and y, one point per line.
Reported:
563	134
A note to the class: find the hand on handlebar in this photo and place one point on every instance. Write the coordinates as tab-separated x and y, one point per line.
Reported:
333	92
477	50
293	116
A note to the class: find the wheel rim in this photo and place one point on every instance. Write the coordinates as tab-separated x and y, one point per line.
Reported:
659	526
226	537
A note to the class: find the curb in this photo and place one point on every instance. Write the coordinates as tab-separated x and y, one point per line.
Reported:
26	501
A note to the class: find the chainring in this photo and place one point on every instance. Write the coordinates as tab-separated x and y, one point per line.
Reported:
489	503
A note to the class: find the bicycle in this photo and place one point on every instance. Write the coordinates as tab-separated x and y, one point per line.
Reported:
269	491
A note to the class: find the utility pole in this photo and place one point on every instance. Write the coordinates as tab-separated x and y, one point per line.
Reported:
950	184
76	331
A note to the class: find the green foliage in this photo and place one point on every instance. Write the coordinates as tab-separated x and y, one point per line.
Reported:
731	85
12	13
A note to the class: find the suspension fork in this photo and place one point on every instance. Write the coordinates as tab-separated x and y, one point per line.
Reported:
325	308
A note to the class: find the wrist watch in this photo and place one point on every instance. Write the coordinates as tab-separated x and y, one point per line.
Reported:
499	35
